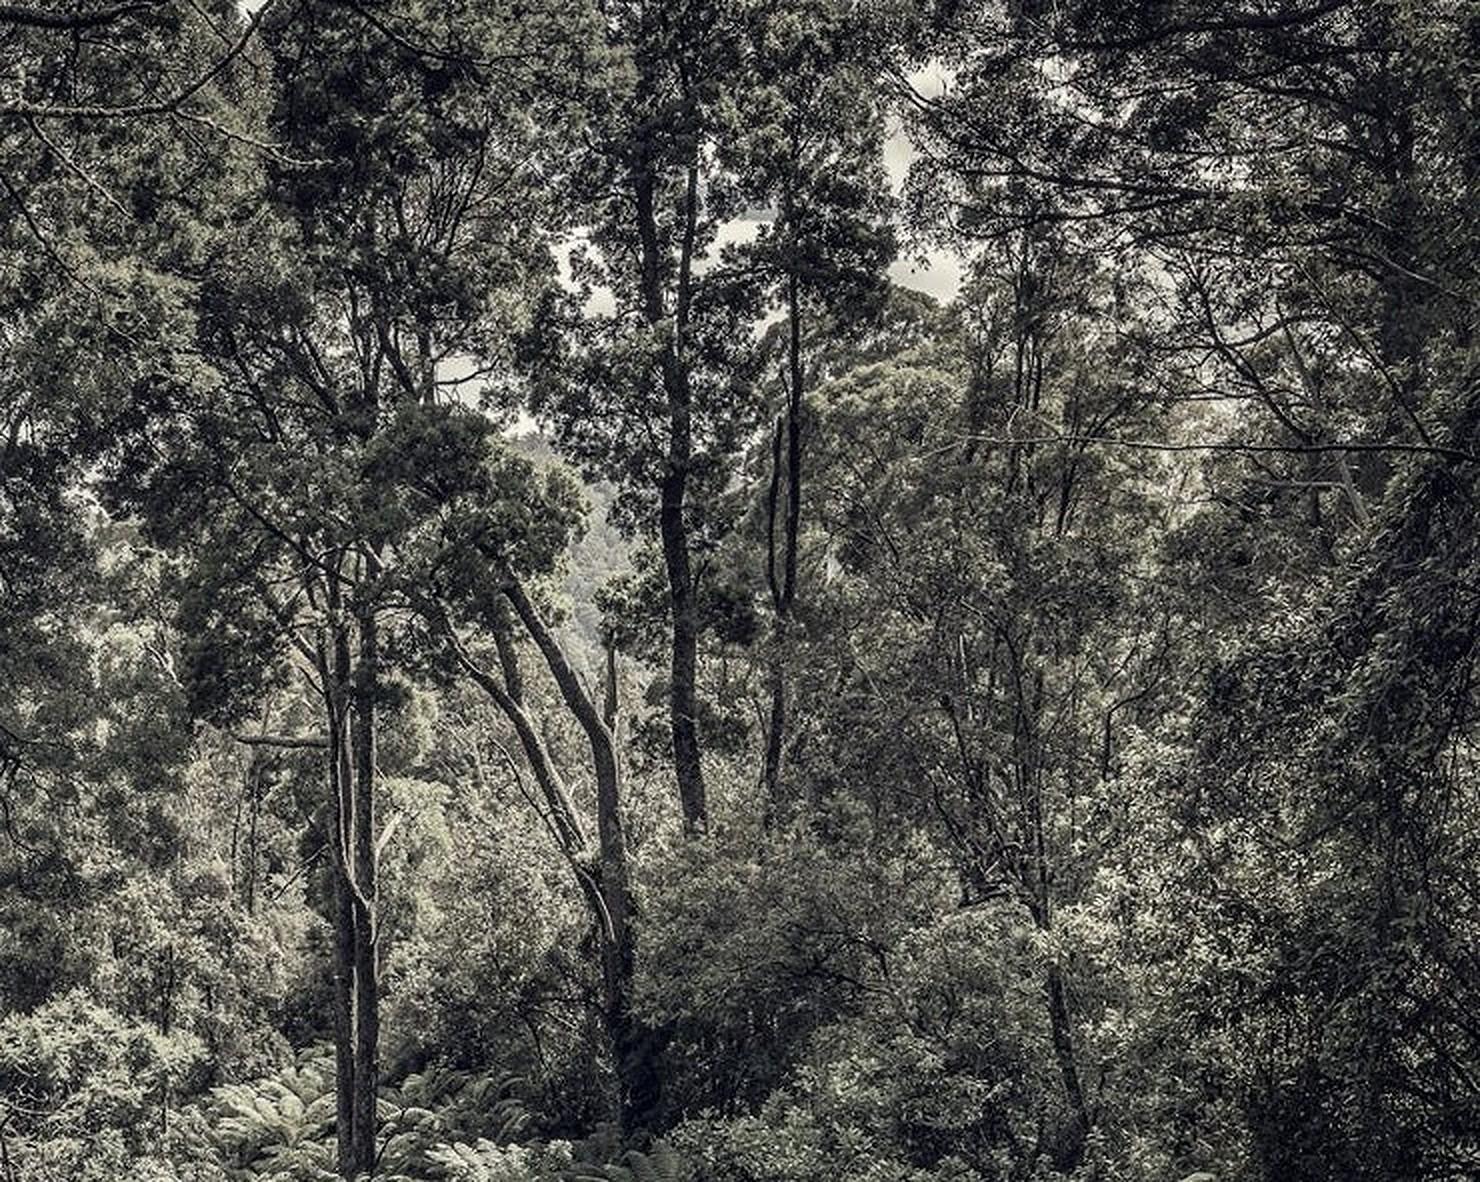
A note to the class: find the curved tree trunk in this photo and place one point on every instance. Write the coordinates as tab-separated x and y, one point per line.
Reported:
604	879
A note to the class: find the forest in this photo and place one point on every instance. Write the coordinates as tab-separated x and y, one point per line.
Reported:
739	590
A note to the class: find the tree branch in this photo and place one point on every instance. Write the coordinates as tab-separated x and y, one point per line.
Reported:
37	18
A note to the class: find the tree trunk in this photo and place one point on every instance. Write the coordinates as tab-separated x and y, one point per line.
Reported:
683	699
673	490
350	673
606	884
254	815
1071	1149
793	442
783	589
336	678
775	733
367	985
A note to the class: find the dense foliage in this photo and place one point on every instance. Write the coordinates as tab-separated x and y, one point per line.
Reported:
529	657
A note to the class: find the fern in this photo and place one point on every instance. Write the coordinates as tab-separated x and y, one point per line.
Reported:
278	1125
439	1105
488	1162
283	1126
661	1164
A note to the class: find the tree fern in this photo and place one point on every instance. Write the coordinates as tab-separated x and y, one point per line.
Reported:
282	1126
279	1125
486	1161
661	1164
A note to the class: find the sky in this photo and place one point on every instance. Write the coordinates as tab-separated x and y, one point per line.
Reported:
940	272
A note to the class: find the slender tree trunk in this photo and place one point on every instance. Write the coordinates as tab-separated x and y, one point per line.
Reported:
793	440
367	993
236	827
775	732
337	673
1071	1152
1061	1028
634	1046
783	587
254	815
606	882
683	702
351	681
673	491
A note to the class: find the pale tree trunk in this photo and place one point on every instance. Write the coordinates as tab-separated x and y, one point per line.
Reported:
1038	885
336	677
604	877
367	984
633	1047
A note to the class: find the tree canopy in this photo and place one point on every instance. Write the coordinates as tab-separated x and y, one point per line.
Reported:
533	654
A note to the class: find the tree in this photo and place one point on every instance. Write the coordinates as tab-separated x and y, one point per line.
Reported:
1298	175
1303	280
330	319
982	616
809	131
98	229
487	527
658	392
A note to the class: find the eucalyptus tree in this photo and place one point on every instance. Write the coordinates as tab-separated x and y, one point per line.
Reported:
809	149
1303	178
358	291
657	392
103	202
714	113
980	645
482	527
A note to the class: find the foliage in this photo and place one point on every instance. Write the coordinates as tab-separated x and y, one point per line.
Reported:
281	1126
88	1091
1019	736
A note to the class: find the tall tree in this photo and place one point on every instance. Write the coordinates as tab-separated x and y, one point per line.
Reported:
487	527
1304	177
715	110
982	619
809	146
330	316
656	393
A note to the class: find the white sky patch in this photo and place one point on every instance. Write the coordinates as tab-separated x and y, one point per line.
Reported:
736	232
937	272
930	82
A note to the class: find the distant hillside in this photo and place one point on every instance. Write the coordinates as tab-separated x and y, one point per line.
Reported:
600	553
